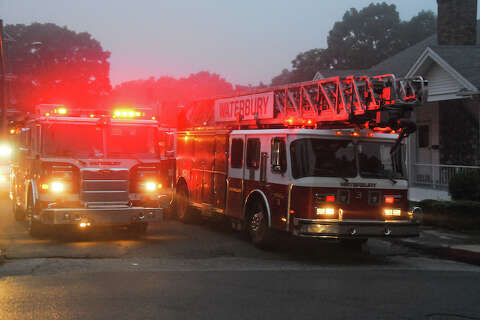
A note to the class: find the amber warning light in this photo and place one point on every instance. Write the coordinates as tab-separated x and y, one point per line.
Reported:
127	113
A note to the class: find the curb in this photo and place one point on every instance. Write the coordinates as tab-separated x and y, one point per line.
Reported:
447	252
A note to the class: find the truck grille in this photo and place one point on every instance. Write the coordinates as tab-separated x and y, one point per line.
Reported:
104	186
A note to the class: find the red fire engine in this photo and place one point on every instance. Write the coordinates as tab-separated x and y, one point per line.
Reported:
317	159
84	168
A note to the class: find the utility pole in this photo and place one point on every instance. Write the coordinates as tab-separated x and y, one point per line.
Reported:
3	92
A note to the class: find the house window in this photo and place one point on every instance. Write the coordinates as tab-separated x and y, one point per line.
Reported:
237	153
423	136
253	153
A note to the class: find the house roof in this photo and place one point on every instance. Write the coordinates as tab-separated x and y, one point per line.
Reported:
400	63
464	59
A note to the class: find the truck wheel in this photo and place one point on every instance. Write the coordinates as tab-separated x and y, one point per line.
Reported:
260	233
18	213
184	213
37	229
138	229
353	244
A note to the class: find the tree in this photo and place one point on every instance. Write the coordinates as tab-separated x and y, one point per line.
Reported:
282	78
361	40
307	63
57	65
364	38
423	25
171	91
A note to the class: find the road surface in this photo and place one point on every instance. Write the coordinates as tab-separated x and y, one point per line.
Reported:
207	271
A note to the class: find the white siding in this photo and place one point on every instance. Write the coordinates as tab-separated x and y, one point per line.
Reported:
441	84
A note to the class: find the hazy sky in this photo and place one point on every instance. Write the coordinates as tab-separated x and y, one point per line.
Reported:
243	41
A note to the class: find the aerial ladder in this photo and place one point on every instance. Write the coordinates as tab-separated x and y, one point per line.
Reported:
382	102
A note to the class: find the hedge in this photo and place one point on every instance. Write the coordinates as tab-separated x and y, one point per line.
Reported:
457	215
465	186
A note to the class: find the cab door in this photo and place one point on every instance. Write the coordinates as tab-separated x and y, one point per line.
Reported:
235	176
277	187
207	161
220	172
253	162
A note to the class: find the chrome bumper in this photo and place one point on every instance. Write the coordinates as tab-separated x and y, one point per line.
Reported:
352	229
101	216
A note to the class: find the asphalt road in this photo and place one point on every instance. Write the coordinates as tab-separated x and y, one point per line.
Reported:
207	271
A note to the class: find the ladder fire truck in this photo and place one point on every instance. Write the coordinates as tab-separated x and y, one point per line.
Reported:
320	159
87	168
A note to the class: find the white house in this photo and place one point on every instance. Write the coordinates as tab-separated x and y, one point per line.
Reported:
447	139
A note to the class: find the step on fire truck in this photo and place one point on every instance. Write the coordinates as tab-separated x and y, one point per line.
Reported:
321	159
87	168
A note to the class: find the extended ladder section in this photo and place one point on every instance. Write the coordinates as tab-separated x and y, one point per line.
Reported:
379	101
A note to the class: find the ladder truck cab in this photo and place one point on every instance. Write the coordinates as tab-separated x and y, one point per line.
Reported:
321	159
87	168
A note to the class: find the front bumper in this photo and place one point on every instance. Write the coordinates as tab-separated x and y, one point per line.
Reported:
354	229
101	216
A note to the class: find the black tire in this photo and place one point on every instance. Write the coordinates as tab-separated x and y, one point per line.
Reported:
138	229
353	244
184	211
37	229
257	226
18	213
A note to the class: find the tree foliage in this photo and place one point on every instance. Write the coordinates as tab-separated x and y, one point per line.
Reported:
168	90
304	67
361	40
364	37
56	65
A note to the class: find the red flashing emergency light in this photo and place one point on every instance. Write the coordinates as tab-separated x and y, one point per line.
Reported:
389	199
330	198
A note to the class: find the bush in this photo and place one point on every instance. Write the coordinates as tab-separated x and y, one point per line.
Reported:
465	186
456	215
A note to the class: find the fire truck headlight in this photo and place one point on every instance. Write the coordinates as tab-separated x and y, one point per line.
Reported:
392	212
151	186
57	187
330	212
5	151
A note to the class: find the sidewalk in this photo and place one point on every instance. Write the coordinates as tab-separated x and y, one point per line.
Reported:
446	244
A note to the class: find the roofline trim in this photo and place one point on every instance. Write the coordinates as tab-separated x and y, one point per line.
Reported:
429	53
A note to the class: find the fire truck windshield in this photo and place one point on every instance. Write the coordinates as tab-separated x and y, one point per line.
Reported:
375	161
314	157
72	139
138	141
323	158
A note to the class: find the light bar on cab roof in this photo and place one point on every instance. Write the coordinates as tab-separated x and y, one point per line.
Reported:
127	113
61	110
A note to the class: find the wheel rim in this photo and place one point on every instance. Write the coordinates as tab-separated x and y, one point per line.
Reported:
256	224
256	221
